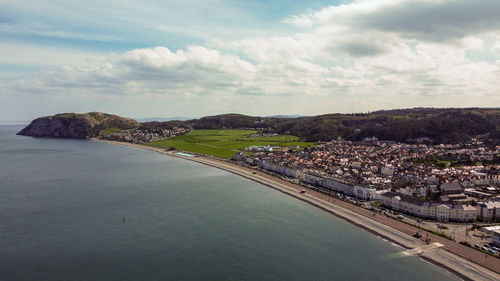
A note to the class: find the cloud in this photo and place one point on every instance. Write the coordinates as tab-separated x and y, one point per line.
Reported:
299	21
361	48
38	29
496	48
13	53
370	28
352	57
430	20
147	70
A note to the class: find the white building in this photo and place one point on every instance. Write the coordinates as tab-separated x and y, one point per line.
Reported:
426	209
366	193
495	234
259	148
489	229
489	210
387	170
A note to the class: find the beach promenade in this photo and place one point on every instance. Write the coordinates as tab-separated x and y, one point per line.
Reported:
465	262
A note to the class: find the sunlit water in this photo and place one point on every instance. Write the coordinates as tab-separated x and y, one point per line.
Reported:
63	204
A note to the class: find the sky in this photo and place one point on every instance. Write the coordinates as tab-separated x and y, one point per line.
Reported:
163	58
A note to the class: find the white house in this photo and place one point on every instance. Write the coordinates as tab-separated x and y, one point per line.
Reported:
495	234
443	213
489	210
426	209
387	170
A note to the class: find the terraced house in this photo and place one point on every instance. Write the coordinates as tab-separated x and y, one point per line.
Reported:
429	210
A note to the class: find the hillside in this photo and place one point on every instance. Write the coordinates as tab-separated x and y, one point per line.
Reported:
75	125
403	125
433	125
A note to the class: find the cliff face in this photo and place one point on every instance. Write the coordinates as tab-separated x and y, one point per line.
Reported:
71	125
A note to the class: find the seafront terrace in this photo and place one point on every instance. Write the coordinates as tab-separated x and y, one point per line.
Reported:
383	163
377	170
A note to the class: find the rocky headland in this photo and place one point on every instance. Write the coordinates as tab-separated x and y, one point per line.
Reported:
75	125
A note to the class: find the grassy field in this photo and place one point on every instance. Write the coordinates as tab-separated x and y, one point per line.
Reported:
224	143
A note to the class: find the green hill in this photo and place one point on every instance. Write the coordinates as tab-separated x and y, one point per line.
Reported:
76	125
439	125
434	125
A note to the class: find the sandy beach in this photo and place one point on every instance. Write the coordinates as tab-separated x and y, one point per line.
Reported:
465	262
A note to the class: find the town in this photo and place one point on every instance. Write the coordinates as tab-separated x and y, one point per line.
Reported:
138	136
423	181
395	175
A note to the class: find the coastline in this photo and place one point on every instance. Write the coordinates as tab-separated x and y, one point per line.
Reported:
452	256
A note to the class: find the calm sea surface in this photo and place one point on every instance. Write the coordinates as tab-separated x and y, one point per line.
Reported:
62	204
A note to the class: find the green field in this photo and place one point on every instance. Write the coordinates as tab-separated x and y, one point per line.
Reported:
225	143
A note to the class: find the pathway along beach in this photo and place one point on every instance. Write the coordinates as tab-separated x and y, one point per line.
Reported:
463	261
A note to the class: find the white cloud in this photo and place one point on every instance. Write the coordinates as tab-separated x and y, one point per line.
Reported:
353	57
39	29
473	43
496	47
299	21
436	20
30	54
147	71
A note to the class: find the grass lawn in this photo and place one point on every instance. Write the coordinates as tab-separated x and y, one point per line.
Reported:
224	143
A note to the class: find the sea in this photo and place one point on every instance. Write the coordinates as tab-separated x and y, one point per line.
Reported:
85	210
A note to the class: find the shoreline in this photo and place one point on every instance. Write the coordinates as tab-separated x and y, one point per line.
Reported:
450	256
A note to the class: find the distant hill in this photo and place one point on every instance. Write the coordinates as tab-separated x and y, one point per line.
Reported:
433	125
75	125
437	125
162	119
284	116
164	125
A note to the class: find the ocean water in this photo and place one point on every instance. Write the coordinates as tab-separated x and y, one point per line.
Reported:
63	205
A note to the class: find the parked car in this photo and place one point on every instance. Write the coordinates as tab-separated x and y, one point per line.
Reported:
400	217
